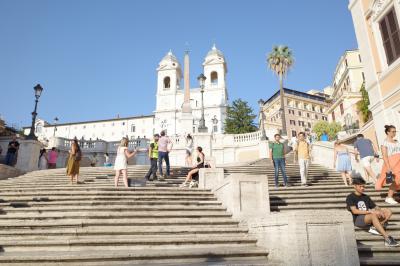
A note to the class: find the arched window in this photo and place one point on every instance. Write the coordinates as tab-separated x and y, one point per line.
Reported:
214	78
167	82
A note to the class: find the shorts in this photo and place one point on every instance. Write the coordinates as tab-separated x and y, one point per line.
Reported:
366	161
188	152
360	221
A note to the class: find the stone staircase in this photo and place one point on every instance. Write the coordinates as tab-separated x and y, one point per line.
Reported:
327	191
47	221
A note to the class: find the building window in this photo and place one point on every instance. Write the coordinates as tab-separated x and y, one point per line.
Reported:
309	125
167	82
348	80
313	108
133	128
308	115
359	58
292	122
299	113
341	109
294	133
316	116
390	36
345	62
214	78
333	116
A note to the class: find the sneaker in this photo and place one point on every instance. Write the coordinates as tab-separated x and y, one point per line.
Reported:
193	184
372	230
390	200
385	225
390	242
304	185
184	184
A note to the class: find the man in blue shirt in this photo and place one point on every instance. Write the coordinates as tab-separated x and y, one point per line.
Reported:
367	152
324	136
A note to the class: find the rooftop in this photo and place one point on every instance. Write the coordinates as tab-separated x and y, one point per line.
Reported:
296	93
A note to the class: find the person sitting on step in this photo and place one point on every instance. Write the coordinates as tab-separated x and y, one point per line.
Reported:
367	214
195	170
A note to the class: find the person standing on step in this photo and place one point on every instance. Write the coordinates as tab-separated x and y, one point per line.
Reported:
342	155
276	151
53	155
200	164
164	147
189	150
302	154
367	151
12	151
367	215
43	160
391	167
153	155
75	156
121	162
107	160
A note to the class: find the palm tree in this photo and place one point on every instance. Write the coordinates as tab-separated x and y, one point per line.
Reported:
280	60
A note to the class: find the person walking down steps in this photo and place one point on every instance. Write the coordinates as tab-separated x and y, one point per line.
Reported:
75	156
121	162
153	155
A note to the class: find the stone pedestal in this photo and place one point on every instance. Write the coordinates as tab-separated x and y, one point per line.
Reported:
307	237
186	121
263	149
203	140
28	155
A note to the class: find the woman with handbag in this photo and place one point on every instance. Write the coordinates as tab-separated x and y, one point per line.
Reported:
121	162
75	156
390	173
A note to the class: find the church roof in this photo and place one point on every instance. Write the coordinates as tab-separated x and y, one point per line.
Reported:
170	57
215	52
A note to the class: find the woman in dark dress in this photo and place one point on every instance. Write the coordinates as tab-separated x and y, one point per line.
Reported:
195	170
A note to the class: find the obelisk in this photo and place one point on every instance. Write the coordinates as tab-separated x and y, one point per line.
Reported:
186	114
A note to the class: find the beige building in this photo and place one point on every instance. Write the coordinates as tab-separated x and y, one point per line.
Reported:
376	24
347	82
302	111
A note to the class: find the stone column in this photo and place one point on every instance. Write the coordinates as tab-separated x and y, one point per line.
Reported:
28	155
204	141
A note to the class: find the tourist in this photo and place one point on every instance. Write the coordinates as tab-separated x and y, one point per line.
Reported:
53	155
324	136
367	215
43	160
302	154
189	150
12	151
342	155
121	162
153	156
391	166
276	151
75	157
195	170
164	147
93	160
107	160
367	152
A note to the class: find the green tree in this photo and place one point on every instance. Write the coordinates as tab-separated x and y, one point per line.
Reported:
330	128
239	118
363	104
280	60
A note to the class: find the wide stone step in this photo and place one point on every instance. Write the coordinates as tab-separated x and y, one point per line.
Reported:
124	230
117	243
384	261
16	223
176	257
113	215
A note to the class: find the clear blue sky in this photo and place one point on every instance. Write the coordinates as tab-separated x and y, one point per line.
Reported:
97	59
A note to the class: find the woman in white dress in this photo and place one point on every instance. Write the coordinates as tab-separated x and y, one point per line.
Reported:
43	159
121	162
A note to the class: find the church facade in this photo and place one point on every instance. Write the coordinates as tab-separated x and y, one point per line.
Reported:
170	112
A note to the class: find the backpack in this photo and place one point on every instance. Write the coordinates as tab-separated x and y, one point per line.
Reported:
78	156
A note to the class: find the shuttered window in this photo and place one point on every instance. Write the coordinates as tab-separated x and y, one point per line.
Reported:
390	36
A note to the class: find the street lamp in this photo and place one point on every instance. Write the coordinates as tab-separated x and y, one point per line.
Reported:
38	91
55	126
261	104
202	125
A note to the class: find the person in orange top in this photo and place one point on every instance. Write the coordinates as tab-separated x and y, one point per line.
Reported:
391	157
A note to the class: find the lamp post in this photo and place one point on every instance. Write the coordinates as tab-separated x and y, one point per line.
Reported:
55	126
261	104
38	91
202	125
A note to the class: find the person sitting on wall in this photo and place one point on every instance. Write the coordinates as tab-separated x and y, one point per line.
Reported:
367	214
200	164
